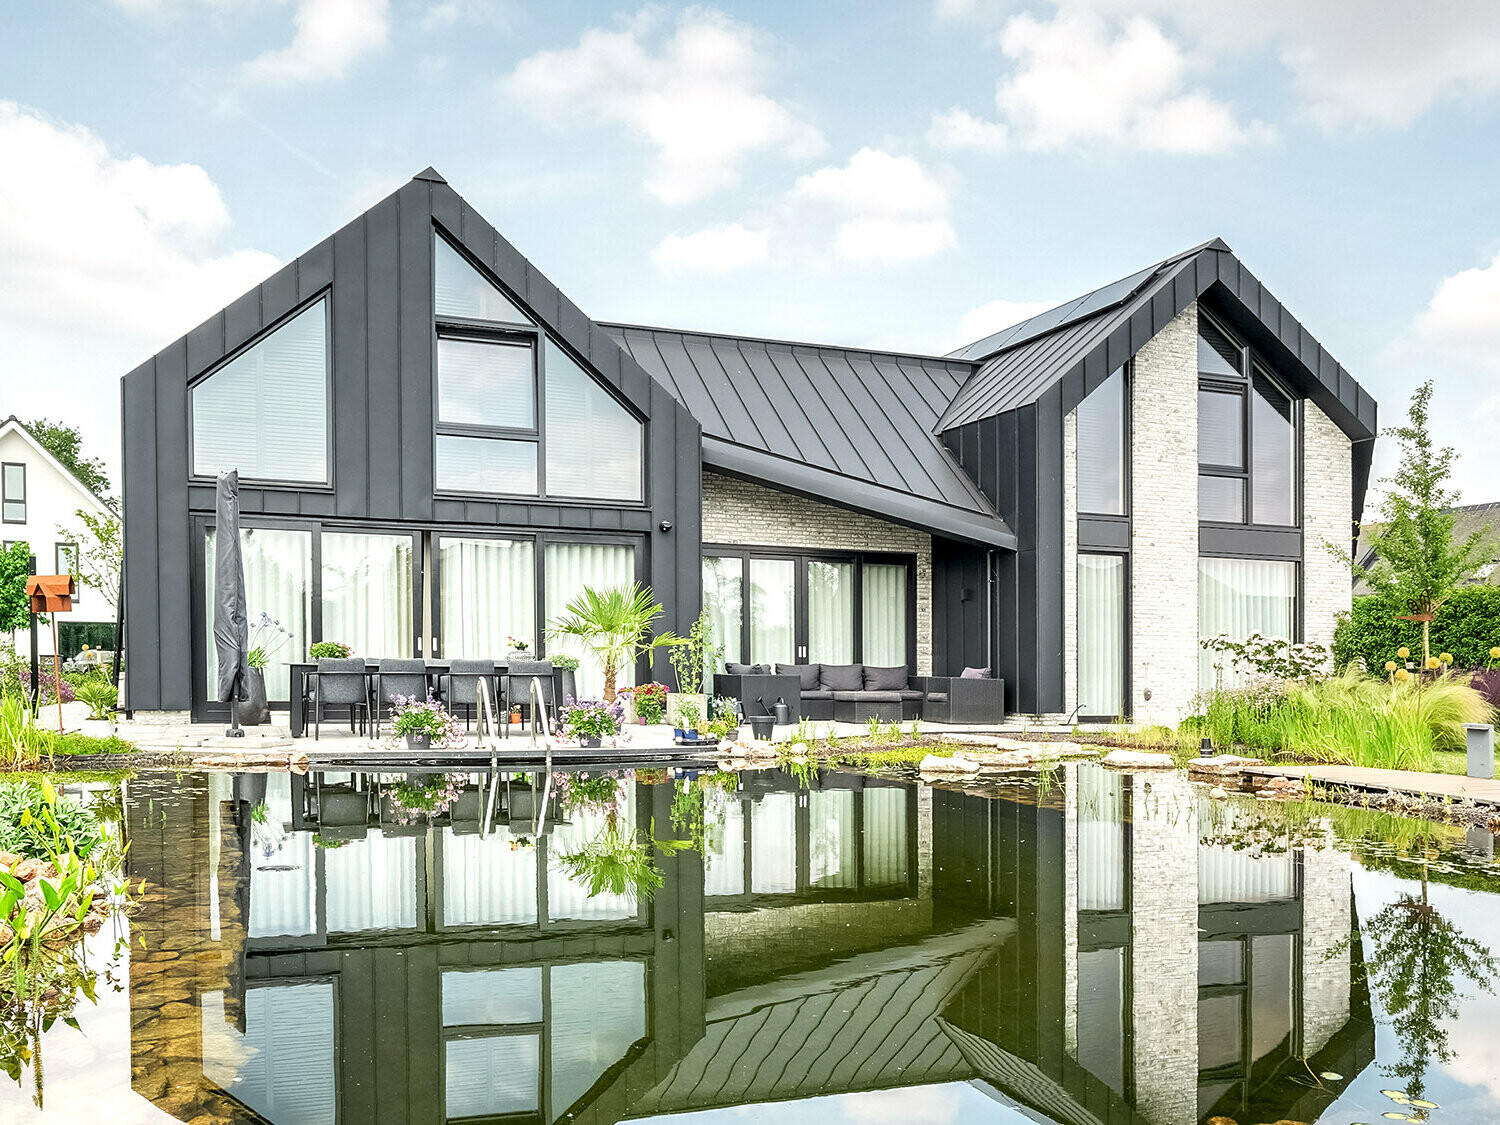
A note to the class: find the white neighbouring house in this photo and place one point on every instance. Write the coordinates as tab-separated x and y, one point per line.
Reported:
39	495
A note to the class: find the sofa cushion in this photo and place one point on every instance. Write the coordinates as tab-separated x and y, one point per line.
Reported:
867	697
908	693
841	677
975	674
885	679
816	693
937	697
807	673
741	669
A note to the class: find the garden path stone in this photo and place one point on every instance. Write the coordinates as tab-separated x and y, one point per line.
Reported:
1138	760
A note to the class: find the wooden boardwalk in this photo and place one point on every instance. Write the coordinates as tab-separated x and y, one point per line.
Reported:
1436	785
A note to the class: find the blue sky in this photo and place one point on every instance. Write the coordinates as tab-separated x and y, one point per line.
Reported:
905	175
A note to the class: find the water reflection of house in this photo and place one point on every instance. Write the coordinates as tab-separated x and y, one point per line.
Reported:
847	935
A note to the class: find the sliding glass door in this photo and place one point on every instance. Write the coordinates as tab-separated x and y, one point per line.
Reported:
766	608
1101	636
486	593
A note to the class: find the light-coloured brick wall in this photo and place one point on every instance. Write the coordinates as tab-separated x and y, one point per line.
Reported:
1070	562
1164	522
1327	518
745	514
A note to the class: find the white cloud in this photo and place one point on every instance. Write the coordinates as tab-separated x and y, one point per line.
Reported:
1076	82
957	128
447	13
718	249
1462	321
990	317
332	35
1354	64
696	95
893	209
103	260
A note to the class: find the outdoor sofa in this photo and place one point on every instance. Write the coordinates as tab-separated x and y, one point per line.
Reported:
856	693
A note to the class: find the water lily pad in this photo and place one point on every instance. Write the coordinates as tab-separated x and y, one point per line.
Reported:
1331	1075
1420	1103
1396	1096
1394	1116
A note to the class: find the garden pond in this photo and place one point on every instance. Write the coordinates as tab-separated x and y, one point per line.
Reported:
792	945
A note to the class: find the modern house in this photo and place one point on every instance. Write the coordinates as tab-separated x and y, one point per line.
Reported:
438	450
40	498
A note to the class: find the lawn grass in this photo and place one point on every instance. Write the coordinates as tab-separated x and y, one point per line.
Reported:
1454	762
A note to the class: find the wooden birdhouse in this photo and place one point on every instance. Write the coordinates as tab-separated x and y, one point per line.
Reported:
51	593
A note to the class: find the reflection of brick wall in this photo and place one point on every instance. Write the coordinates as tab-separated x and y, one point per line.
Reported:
174	957
736	511
1326	917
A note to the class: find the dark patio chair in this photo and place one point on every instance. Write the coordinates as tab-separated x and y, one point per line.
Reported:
339	682
461	685
516	687
396	678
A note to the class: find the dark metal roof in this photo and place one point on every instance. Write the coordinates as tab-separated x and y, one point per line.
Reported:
852	427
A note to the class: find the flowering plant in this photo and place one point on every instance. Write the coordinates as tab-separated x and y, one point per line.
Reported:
591	719
582	790
1269	656
516	645
408	716
650	702
332	650
267	637
431	796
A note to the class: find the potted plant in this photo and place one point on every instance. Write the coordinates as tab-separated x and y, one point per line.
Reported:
614	627
590	722
519	649
650	703
686	718
329	650
101	696
690	658
267	637
425	724
565	675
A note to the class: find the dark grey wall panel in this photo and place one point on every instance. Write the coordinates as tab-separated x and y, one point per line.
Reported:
172	563
138	484
1104	533
1250	542
382	359
959	607
416	344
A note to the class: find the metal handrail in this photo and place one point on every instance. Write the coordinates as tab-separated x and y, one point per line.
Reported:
541	723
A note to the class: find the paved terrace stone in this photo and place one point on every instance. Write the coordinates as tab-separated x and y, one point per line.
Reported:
1439	785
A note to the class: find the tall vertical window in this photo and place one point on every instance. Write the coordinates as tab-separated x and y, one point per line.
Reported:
830	611
569	568
1238	597
1101	635
265	411
367	592
1247	436
884	590
487	589
13	492
278	584
723	604
516	414
1101	448
773	611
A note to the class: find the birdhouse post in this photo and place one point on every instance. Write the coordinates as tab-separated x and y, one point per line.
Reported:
53	594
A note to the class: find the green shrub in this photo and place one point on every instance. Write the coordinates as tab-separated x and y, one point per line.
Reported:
1467	625
329	650
98	693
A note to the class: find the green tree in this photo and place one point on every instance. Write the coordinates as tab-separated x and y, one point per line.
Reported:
101	552
66	444
1417	562
613	626
15	568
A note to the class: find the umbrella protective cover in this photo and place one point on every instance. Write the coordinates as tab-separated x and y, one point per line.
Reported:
231	625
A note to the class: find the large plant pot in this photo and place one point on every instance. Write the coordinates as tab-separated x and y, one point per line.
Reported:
565	680
589	743
675	699
418	740
255	711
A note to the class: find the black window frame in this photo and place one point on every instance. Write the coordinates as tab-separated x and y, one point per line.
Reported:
6	499
1251	364
446	326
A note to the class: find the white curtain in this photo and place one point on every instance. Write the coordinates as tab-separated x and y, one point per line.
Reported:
598	1011
831	841
723	602
1240	597
885	614
371	884
1101	840
570	568
1101	635
773	844
1226	874
278	582
488	595
487	881
773	611
830	612
486	383
724	855
885	842
367	592
265	412
582	415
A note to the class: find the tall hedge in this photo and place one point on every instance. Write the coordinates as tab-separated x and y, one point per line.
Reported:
1467	625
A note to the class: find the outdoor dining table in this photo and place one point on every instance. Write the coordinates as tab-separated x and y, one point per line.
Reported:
436	669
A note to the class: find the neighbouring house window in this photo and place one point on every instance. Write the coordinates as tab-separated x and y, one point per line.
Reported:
723	605
885	613
278	583
516	414
265	411
1247	436
65	555
13	489
1238	597
487	589
1101	635
1101	448
367	592
583	416
569	567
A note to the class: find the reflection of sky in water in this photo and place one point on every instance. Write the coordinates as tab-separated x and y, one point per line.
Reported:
1468	1088
953	1103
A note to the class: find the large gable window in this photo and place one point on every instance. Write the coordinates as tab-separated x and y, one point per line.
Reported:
265	411
1101	448
516	414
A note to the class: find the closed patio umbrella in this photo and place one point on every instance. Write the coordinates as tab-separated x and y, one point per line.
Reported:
231	625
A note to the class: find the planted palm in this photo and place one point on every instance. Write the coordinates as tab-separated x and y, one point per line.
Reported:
614	627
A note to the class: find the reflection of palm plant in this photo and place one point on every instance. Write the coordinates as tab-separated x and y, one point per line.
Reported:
619	860
613	626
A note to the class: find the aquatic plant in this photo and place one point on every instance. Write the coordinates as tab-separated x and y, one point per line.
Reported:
34	823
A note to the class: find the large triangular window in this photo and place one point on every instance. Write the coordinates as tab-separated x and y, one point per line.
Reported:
265	411
459	290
